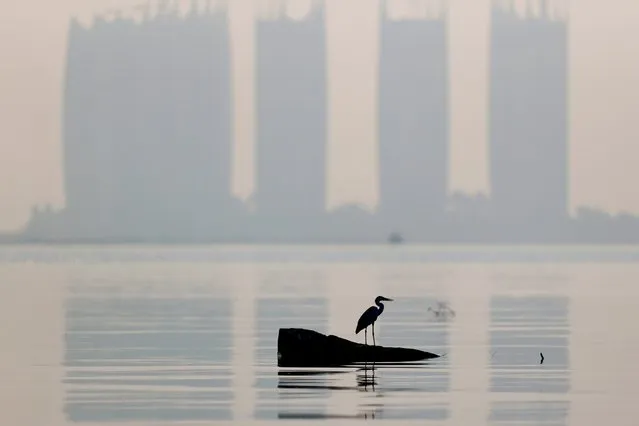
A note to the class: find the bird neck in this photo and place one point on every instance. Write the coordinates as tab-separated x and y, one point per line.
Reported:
381	307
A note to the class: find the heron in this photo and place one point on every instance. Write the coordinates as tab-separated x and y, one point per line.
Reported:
369	317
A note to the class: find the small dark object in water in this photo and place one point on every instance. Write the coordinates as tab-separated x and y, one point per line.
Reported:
299	347
542	358
395	238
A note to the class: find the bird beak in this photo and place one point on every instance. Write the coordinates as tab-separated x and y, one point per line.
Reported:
386	299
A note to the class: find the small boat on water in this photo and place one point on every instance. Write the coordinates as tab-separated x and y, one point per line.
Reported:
395	238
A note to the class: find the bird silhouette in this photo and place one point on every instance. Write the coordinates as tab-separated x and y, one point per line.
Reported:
369	317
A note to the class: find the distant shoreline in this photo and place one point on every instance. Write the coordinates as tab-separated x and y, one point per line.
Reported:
8	241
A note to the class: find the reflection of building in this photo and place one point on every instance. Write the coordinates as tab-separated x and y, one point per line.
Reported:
134	357
528	116
413	120
279	307
147	125
272	314
522	328
291	116
408	323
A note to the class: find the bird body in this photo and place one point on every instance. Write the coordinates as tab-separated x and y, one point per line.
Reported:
370	315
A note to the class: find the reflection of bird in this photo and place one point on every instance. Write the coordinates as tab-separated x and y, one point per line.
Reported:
365	380
370	316
443	311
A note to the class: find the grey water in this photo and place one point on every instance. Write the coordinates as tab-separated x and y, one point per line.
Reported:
176	335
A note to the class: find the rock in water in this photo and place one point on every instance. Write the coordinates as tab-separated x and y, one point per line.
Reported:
299	347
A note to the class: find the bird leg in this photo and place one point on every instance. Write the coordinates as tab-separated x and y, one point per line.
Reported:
373	333
365	342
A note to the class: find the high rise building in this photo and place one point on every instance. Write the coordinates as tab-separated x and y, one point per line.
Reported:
413	120
291	116
528	115
147	125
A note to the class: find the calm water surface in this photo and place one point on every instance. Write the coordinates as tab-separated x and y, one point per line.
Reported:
188	335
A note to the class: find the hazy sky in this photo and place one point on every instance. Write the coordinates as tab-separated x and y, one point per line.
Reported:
604	100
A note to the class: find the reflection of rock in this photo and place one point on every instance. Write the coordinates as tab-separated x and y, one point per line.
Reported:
298	347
